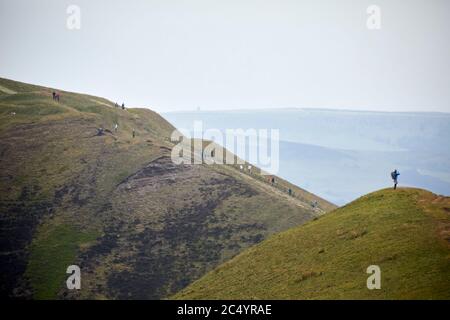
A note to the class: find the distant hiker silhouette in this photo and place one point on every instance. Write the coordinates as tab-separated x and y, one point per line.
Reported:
134	133
394	176
116	126
123	106
290	191
100	131
55	96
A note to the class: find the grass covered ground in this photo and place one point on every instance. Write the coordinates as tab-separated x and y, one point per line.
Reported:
406	232
54	249
138	226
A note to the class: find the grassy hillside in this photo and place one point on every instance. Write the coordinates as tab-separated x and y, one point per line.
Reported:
136	224
406	232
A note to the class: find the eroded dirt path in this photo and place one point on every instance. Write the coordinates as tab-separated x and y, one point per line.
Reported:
273	190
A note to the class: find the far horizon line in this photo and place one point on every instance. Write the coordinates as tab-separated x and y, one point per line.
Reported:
297	109
159	109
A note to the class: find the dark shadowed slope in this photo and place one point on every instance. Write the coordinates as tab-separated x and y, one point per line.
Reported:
406	232
137	225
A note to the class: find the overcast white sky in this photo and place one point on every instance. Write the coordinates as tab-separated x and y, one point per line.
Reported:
180	55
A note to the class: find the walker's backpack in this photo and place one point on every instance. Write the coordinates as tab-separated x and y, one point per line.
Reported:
393	175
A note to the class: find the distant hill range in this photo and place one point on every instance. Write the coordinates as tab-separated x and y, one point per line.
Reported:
341	155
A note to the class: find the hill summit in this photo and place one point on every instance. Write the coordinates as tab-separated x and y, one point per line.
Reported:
405	233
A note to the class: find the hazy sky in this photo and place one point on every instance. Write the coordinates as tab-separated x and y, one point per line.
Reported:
180	55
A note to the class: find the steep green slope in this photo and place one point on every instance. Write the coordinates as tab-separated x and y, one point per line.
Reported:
406	232
136	224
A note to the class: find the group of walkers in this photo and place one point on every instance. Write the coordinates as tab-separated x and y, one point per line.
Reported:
55	96
272	181
122	106
101	130
116	125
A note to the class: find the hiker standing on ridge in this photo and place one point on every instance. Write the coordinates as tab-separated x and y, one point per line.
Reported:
123	105
394	176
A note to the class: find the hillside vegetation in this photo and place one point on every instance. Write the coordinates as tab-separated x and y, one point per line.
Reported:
138	225
406	232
